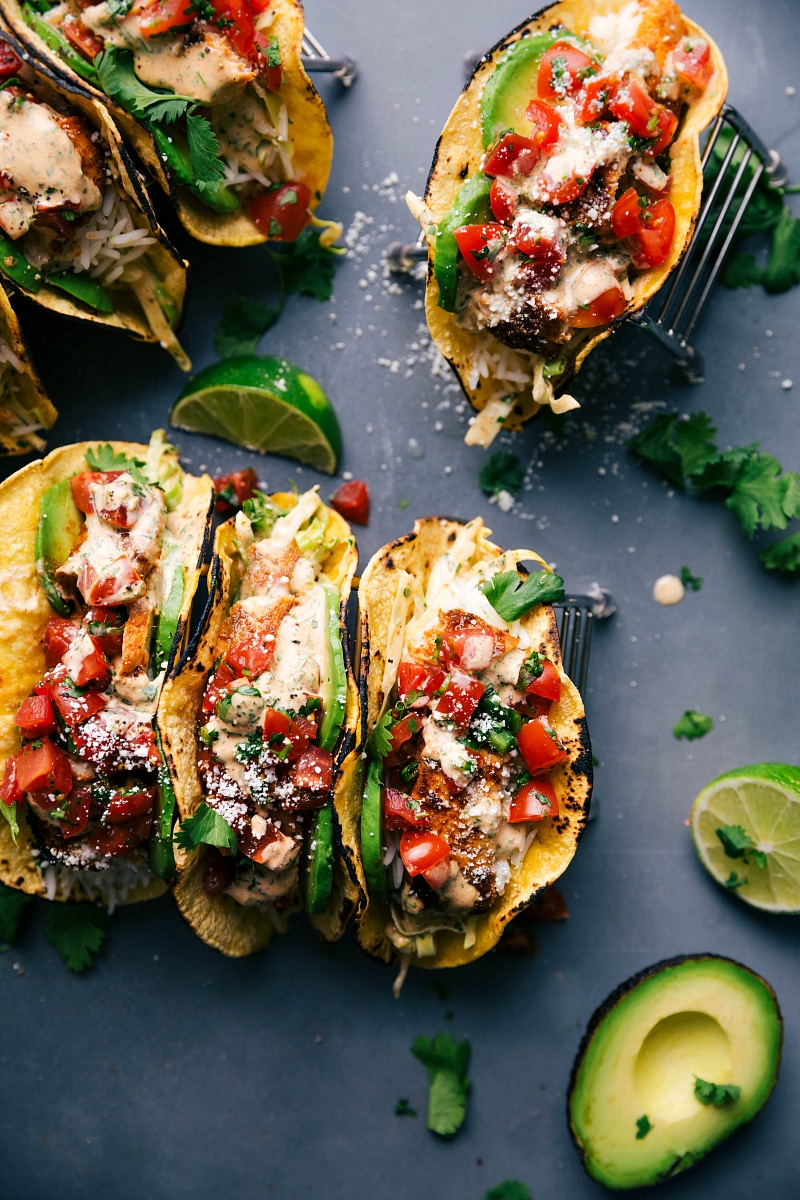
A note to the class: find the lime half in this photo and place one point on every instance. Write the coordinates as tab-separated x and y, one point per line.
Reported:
746	829
264	404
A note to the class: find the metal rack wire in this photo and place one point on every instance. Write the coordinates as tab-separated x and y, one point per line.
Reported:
578	617
316	59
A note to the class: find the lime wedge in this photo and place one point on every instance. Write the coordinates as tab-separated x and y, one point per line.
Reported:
763	802
264	404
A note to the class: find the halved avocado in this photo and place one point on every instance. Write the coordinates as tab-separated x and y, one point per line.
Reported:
635	1111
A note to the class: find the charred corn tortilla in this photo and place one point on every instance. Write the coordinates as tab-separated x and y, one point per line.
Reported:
309	129
221	922
25	611
459	155
25	408
383	614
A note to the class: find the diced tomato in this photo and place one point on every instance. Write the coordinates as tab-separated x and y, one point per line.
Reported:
308	725
10	792
648	228
403	731
282	734
235	18
259	6
94	668
397	812
58	636
411	677
534	801
667	124
438	875
548	684
591	104
282	213
75	706
421	851
76	812
565	189
534	706
540	746
81	484
632	102
81	38
475	651
502	201
218	871
480	245
232	490
163	15
257	848
562	71
43	767
626	215
36	717
606	307
10	63
106	626
539	236
252	658
218	685
116	840
314	770
460	699
128	806
351	500
270	71
115	586
512	157
692	59
546	124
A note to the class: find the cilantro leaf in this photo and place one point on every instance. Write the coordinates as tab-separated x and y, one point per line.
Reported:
121	84
511	595
763	497
380	743
77	931
783	555
206	826
676	448
305	266
501	473
718	1094
741	271
207	166
693	725
12	906
783	265
509	1189
723	471
733	881
738	844
103	458
9	811
243	323
447	1063
643	1127
404	1109
695	582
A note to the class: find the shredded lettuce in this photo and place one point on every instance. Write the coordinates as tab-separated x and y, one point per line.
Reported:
161	467
312	541
262	513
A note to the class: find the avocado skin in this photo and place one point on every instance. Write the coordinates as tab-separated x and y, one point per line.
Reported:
684	1161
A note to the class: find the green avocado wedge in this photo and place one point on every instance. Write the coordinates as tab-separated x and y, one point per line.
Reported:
471	206
59	525
318	880
674	1061
371	853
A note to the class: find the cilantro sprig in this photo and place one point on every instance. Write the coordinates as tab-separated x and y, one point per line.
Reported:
502	472
756	488
447	1063
718	1094
692	725
737	843
512	595
205	827
643	1127
509	1189
77	931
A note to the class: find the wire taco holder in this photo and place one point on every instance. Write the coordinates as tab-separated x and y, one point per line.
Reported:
316	60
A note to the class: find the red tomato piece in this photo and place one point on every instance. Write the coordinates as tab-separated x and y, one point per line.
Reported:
421	851
534	706
163	15
539	236
218	685
43	767
561	191
606	307
540	746
667	123
10	63
36	717
512	157
58	637
475	651
94	668
403	731
236	21
411	677
460	699
308	725
256	848
81	484
438	875
591	104
106	627
546	124
76	812
283	736
282	213
218	871
502	201
692	59
252	658
232	490
259	6
314	770
117	840
480	245
397	813
128	806
632	102
269	71
73	706
648	228
534	801
548	684
10	792
81	38
562	71
112	587
351	500
626	215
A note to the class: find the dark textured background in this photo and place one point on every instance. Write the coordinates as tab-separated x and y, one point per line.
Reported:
168	1071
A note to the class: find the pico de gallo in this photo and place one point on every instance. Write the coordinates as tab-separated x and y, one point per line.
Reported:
111	560
206	78
572	198
273	707
460	777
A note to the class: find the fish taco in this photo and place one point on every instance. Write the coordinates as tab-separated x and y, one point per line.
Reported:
25	408
256	721
472	787
563	192
97	579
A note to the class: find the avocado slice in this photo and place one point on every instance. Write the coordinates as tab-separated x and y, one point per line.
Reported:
636	1110
371	852
60	523
160	852
471	206
318	879
334	676
172	600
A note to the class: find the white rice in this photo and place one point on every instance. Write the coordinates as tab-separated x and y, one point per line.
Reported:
110	240
110	886
7	355
490	359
